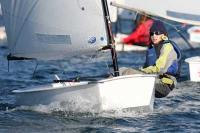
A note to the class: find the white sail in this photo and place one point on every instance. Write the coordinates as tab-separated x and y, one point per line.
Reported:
54	29
185	11
112	11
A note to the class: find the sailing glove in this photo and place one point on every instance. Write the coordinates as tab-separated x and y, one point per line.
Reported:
150	69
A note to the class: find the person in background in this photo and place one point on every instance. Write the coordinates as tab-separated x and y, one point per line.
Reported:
140	36
162	58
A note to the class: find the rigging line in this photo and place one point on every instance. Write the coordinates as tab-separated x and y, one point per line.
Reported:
64	68
28	15
107	66
97	3
184	38
33	75
94	56
179	33
79	5
8	65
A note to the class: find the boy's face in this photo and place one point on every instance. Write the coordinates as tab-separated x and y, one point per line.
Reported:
156	37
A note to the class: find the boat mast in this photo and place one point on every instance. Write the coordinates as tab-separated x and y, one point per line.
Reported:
111	38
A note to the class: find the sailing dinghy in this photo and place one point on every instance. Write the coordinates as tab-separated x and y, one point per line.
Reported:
65	29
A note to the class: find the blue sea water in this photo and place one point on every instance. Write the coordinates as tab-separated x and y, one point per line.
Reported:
178	112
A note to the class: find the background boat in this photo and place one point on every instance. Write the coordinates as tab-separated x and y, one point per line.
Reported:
176	23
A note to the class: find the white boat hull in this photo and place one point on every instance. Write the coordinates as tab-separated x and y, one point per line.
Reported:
194	68
124	92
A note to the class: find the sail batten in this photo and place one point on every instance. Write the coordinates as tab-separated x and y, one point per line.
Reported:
186	16
54	29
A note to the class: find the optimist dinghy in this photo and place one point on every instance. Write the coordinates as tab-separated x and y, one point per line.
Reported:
64	29
122	92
